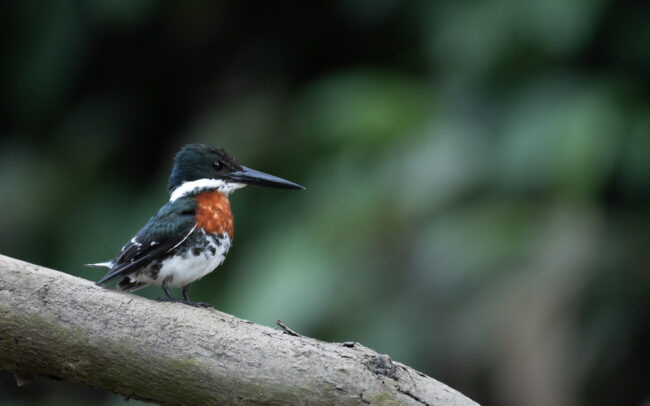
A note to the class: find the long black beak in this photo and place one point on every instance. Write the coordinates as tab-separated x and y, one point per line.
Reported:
253	177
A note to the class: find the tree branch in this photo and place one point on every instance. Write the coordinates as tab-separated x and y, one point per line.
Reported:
58	325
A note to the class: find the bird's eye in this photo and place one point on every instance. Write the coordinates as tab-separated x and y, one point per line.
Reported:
217	165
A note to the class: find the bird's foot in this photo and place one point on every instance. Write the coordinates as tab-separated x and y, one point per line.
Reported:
200	304
171	299
187	302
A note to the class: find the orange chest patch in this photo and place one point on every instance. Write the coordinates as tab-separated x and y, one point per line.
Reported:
213	213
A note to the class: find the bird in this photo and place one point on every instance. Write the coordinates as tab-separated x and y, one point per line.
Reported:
190	235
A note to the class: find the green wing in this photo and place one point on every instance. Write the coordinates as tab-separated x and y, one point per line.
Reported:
173	223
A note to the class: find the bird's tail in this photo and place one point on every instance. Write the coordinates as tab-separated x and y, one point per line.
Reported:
105	264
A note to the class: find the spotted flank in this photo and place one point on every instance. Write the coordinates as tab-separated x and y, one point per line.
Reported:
197	256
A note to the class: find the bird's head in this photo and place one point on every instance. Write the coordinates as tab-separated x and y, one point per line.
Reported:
198	168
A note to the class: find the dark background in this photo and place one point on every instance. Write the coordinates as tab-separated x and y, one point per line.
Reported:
477	173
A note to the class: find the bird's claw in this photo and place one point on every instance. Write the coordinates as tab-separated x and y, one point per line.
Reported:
200	304
187	302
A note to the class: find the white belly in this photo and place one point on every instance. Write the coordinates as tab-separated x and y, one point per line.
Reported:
185	268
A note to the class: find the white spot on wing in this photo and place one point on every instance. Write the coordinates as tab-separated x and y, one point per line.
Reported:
136	242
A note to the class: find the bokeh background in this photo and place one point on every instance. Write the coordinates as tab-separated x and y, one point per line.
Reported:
477	173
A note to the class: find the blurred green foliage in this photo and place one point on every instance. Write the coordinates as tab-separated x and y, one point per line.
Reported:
477	173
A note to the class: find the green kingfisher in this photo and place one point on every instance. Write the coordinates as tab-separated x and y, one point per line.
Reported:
191	234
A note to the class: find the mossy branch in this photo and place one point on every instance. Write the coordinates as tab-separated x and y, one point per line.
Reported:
57	325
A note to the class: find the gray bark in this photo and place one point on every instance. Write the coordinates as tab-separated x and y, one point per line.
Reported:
57	325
